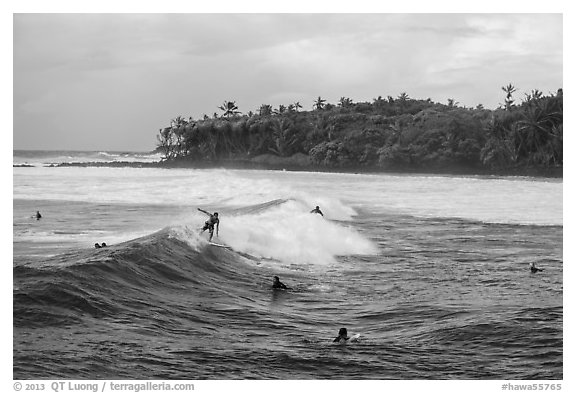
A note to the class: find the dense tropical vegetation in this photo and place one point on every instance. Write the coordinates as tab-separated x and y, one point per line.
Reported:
387	134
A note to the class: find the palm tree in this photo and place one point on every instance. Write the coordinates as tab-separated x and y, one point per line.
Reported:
281	109
533	96
229	108
396	129
297	106
403	100
403	97
345	102
508	102
538	132
265	110
283	140
323	129
319	103
499	150
452	103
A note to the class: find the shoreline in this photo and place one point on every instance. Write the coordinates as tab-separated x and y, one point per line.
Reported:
287	165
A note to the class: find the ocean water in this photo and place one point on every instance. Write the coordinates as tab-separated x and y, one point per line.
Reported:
431	271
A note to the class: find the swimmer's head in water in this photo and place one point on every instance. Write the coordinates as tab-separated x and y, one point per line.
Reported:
343	332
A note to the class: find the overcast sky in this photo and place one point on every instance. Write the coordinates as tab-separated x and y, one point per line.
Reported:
110	81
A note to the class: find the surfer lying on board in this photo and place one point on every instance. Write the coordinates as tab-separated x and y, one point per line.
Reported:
317	211
277	284
213	220
534	269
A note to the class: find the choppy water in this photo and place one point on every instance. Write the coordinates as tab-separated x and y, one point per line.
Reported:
431	271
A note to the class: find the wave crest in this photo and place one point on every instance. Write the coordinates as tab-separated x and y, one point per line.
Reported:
286	231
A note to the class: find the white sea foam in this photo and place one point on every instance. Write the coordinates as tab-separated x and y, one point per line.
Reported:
289	233
218	188
189	235
286	232
497	200
41	158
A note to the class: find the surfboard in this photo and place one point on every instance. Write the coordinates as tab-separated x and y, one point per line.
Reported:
220	245
244	254
355	337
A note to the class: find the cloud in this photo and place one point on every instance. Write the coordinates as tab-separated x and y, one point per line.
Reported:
131	73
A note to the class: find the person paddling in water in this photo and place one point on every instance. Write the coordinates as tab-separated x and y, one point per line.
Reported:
317	211
534	269
342	335
277	284
209	224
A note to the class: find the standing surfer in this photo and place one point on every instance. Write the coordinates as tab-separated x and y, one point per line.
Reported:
209	224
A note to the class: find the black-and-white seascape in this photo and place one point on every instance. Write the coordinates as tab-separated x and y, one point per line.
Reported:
439	180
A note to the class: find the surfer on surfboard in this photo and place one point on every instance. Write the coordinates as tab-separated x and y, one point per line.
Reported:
209	224
534	269
317	211
343	336
277	284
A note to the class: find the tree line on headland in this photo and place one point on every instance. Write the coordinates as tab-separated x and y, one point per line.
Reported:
387	134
